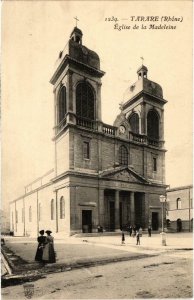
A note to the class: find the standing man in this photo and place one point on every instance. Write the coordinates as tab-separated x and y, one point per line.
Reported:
123	238
138	238
130	230
149	231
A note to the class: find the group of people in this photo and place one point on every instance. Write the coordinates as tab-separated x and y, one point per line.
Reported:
135	232
45	251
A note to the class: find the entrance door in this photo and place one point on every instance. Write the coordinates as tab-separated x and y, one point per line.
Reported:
87	220
112	215
155	221
179	225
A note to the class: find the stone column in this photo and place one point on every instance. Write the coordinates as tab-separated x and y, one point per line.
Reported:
132	208
147	212
70	96
101	208
98	102
117	212
143	129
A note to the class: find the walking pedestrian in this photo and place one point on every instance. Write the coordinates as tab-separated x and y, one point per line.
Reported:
130	230
48	251
138	238
123	238
140	231
41	242
149	231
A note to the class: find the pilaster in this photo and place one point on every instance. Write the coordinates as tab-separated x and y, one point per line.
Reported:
132	208
117	215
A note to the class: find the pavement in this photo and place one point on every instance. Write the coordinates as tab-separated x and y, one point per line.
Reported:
83	251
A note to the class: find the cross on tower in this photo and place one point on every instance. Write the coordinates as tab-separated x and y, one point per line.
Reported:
142	59
76	20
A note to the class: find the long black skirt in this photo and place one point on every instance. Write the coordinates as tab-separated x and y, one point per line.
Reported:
39	253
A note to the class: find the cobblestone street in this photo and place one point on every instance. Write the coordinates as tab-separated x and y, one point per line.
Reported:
162	272
168	275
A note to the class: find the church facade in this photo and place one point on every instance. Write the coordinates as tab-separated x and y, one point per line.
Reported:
103	175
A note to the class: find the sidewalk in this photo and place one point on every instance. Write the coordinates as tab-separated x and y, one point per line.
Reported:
76	252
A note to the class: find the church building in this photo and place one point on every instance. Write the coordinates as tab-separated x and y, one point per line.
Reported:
107	175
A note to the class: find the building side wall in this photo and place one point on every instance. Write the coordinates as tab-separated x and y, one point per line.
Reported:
108	153
83	197
185	195
136	159
64	223
184	212
79	161
157	175
45	196
62	154
31	226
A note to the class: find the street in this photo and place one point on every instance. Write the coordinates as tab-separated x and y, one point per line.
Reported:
167	275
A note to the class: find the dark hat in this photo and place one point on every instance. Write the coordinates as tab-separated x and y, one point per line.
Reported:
41	231
48	231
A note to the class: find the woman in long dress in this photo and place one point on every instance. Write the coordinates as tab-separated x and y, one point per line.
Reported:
48	251
41	242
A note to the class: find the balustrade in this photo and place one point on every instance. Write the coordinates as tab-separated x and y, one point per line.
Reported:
108	129
139	138
84	122
153	142
143	139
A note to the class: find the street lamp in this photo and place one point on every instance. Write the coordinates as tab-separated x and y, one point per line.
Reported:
163	234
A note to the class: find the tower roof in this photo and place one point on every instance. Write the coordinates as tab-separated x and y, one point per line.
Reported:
143	84
144	68
79	55
76	30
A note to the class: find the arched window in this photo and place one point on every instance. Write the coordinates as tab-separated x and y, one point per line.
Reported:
30	214
85	103
134	122
62	208
123	155
62	104
153	125
52	210
178	203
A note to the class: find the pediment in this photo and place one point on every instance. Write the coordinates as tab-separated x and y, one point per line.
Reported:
121	119
124	174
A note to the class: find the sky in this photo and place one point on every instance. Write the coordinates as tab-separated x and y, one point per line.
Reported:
33	34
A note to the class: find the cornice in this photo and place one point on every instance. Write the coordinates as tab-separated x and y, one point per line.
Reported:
67	59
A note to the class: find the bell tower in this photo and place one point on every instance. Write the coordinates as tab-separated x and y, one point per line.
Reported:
142	117
77	93
143	108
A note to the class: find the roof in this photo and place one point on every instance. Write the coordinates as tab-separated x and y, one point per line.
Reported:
185	187
143	85
76	29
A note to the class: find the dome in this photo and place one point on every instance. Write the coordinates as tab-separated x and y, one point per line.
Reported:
83	54
143	85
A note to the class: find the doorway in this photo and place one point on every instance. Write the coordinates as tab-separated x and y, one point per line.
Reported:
179	225
86	221
155	222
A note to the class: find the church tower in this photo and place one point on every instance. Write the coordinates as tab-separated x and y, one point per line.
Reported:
142	122
77	94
